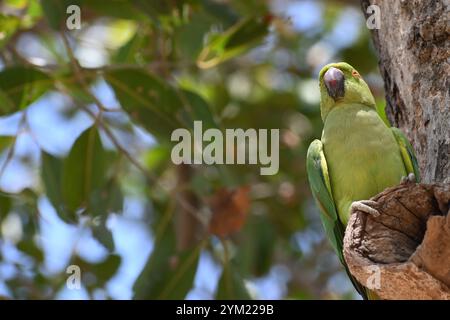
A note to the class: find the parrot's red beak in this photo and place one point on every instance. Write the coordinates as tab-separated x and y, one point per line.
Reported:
335	82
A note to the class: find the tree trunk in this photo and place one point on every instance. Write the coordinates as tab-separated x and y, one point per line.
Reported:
414	49
404	253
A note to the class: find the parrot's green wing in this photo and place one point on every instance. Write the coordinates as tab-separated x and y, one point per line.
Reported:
319	181
407	152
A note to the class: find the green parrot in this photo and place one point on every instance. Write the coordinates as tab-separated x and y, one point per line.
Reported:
357	157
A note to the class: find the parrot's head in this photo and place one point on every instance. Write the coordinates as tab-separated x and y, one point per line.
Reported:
340	83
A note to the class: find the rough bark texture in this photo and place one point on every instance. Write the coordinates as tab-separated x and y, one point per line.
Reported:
414	51
404	253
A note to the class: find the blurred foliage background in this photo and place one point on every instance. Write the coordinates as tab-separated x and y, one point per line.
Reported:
85	172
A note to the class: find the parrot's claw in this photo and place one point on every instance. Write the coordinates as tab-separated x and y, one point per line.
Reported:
410	178
365	206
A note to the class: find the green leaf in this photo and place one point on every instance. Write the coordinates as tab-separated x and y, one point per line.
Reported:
102	271
156	105
220	12
189	37
107	199
56	12
103	235
8	26
80	179
103	201
157	158
107	268
16	4
5	142
151	102
25	204
5	205
231	286
33	14
155	8
122	9
256	247
196	108
131	52
73	88
20	86
84	170
167	274
30	248
6	105
51	173
241	37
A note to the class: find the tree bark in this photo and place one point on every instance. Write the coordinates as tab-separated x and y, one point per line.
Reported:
405	252
414	50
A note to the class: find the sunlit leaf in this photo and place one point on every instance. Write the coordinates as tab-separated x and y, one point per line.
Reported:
235	41
34	12
16	4
31	12
133	51
157	157
8	26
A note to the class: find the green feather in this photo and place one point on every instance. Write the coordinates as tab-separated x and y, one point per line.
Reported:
407	152
319	181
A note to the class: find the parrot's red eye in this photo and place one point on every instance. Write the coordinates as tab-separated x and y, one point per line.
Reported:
356	74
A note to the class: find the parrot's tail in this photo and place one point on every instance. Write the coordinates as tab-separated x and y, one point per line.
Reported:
371	295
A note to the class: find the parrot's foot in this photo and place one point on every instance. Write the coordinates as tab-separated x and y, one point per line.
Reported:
410	178
365	206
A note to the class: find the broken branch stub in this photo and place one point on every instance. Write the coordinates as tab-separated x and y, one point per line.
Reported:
404	253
